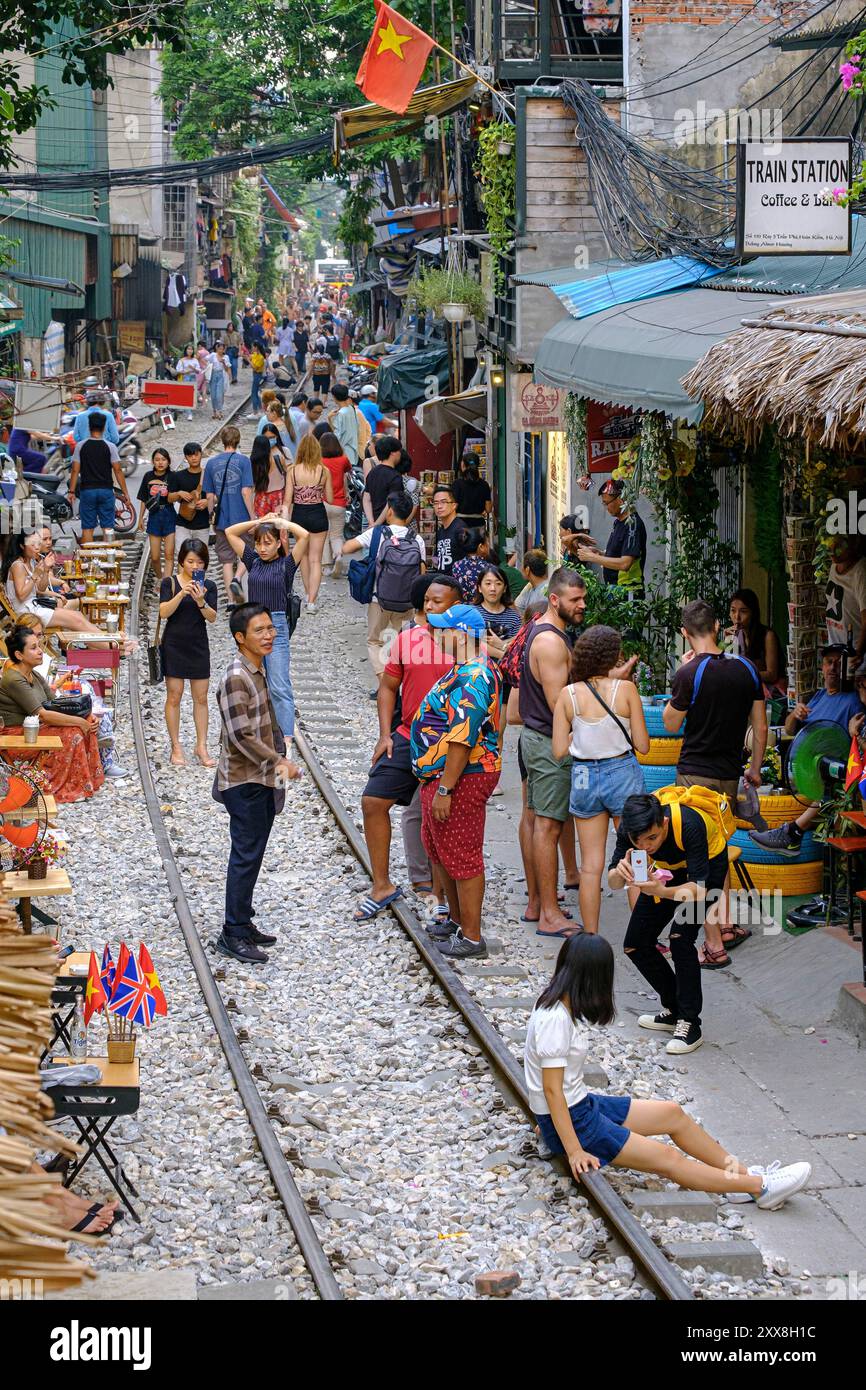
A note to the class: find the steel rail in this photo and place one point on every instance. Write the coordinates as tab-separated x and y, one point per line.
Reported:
279	1168
661	1274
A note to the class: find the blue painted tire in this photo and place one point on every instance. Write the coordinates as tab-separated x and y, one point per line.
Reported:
811	850
655	724
655	777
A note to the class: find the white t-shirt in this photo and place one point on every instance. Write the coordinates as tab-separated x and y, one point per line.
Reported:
554	1040
399	532
846	600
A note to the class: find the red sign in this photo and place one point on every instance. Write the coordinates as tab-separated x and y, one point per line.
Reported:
609	428
177	394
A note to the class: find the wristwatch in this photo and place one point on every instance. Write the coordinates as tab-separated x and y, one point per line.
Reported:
444	791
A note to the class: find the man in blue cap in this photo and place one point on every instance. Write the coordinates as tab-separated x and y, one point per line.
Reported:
456	758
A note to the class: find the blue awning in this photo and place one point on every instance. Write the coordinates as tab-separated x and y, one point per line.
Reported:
607	283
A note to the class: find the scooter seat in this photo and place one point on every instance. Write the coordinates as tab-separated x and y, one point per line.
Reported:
49	481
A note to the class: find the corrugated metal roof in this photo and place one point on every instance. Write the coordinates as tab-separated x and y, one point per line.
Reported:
801	274
600	287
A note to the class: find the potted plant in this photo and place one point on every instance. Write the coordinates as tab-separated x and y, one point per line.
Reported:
452	293
36	858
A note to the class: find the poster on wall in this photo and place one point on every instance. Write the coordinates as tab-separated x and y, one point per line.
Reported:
53	349
535	407
558	492
785	197
609	428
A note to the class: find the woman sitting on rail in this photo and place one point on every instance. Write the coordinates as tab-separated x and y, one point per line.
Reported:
74	770
594	1130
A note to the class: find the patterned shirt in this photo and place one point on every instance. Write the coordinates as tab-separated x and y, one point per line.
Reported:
462	707
467	573
252	743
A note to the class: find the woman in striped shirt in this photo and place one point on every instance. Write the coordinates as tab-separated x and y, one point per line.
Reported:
271	574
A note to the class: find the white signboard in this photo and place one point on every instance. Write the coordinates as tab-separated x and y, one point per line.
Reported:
785	203
535	407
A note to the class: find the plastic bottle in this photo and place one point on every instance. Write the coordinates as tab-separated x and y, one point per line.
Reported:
79	1031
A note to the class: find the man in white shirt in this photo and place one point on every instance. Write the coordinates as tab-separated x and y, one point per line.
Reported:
846	595
344	422
382	624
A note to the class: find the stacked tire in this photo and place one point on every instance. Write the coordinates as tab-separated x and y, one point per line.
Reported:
659	765
792	875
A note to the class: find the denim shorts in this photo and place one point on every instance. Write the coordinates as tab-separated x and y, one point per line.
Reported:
162	523
96	504
598	1123
604	786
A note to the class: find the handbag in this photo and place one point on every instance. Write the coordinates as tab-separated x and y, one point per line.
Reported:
362	573
80	706
154	657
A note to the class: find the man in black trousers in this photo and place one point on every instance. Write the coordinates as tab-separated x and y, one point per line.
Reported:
251	776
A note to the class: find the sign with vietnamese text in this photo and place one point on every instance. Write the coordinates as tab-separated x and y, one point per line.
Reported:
535	407
131	336
786	197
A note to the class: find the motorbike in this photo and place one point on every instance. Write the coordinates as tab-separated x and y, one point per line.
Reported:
355	521
59	459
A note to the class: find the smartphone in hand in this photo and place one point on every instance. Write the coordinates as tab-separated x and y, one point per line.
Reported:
198	578
639	865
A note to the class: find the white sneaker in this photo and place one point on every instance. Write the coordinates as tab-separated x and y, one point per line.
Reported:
757	1170
782	1184
687	1038
658	1023
311	608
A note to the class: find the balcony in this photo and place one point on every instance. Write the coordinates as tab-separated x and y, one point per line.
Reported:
558	38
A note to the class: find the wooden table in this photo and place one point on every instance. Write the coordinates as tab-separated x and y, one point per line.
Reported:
16	743
100	1103
88	639
56	884
21	815
96	608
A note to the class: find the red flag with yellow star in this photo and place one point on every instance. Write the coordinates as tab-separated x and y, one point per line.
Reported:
95	998
148	970
855	769
394	60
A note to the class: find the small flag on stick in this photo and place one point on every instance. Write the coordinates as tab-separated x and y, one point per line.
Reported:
95	998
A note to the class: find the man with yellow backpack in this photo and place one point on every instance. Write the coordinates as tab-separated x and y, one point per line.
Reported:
673	848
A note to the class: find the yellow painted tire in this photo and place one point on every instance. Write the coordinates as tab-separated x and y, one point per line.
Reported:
776	810
791	880
663	752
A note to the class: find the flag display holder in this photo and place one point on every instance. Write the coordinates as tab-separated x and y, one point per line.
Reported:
121	1049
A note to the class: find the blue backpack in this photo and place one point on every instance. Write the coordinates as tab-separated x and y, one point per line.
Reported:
702	666
362	573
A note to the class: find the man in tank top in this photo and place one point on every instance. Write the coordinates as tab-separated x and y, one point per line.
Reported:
546	659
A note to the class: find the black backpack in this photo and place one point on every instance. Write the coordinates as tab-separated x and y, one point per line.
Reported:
332	348
398	565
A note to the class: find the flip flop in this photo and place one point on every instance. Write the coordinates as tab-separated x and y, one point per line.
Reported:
370	908
566	932
573	886
88	1217
565	913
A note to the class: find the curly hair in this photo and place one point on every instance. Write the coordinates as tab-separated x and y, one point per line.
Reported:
595	653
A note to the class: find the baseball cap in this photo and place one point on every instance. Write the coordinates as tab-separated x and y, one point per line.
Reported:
833	649
368	390
460	616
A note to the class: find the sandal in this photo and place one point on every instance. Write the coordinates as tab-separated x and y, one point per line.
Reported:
565	932
370	908
564	910
88	1217
713	960
732	937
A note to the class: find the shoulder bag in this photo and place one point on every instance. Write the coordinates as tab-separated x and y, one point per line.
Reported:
215	513
623	730
154	653
79	706
187	510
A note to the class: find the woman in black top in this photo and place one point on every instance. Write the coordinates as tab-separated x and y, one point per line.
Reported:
472	494
271	574
186	602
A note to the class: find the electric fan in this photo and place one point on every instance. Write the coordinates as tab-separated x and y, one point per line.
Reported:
23	810
815	765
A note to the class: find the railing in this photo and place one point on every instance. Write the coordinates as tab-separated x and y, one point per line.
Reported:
535	38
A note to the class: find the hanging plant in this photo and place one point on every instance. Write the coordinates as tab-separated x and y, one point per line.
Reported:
574	422
435	287
353	226
764	476
496	168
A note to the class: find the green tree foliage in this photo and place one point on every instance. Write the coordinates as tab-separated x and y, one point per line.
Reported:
80	33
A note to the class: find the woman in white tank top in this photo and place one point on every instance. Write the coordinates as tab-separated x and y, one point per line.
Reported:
599	720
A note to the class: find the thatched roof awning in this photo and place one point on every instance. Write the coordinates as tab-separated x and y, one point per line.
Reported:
802	370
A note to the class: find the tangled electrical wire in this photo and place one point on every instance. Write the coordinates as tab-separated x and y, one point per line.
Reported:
157	174
649	203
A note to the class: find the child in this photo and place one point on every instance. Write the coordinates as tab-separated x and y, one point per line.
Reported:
594	1130
156	496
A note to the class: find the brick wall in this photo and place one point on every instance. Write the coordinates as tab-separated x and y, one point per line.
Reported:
646	12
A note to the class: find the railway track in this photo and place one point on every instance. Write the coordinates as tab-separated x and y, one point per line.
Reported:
656	1271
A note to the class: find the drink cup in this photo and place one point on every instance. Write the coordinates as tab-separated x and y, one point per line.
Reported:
31	728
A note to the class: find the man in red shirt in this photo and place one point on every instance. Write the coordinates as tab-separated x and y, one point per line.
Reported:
415	663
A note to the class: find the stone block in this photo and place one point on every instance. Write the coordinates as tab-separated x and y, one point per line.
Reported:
737	1257
497	1283
166	1285
686	1206
253	1291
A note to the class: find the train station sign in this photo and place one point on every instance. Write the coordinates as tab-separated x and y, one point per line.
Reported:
786	197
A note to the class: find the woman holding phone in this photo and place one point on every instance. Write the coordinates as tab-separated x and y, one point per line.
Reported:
187	601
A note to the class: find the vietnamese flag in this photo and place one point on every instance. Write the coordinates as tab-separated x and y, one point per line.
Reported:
855	769
95	997
148	970
394	60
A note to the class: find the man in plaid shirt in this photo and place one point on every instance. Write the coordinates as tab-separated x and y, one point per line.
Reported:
251	776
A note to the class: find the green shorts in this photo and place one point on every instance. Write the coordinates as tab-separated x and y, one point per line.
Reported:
548	782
